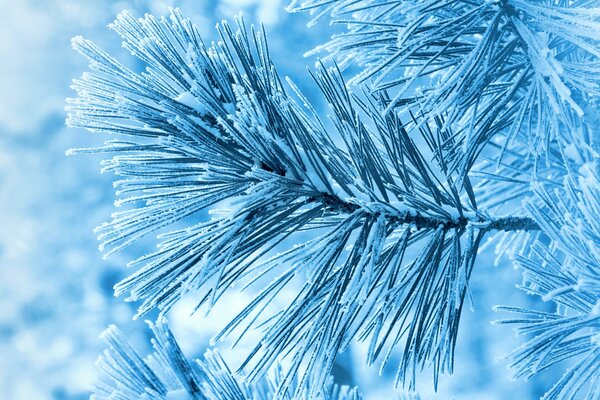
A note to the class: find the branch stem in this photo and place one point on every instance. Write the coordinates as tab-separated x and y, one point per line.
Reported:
427	222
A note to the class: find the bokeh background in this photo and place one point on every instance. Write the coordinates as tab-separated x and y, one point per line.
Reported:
56	290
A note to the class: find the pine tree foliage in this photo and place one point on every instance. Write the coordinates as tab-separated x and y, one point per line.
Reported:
397	229
567	272
519	68
398	186
167	374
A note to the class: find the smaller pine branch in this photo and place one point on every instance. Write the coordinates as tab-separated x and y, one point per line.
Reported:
166	374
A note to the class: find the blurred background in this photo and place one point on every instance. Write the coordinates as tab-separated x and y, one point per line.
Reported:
56	292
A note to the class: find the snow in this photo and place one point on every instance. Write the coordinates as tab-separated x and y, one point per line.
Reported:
191	101
180	394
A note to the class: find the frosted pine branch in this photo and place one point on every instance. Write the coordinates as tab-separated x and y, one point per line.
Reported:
208	125
167	374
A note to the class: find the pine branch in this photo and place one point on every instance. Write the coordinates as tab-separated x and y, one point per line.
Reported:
215	124
167	374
